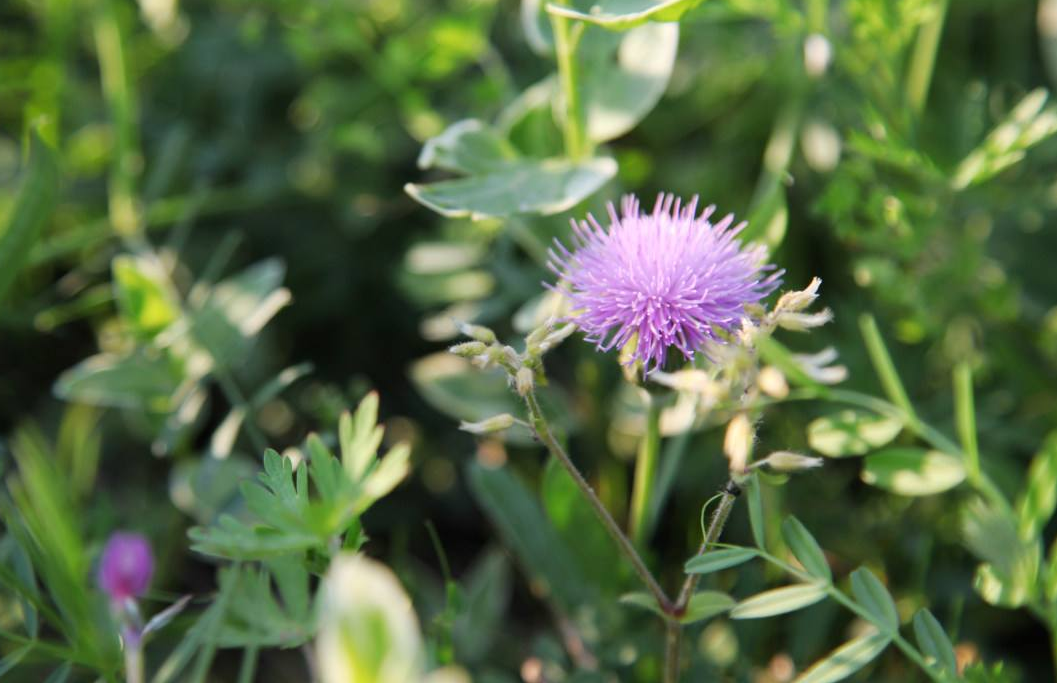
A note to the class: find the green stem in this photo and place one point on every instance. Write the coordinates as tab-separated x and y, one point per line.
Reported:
923	60
728	496
134	663
574	130
645	471
543	431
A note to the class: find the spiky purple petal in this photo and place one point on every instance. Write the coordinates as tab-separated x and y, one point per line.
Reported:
671	277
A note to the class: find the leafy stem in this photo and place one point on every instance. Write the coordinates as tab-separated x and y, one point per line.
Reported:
838	595
543	431
727	497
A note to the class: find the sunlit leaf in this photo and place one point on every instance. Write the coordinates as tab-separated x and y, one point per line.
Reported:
913	471
779	601
851	432
1039	499
620	15
543	186
846	659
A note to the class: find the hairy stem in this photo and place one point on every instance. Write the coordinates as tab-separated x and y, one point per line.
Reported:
543	431
728	495
645	472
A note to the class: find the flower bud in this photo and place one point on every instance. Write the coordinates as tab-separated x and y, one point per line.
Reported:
738	442
794	302
469	349
496	423
788	461
817	366
800	322
772	382
478	332
126	566
524	381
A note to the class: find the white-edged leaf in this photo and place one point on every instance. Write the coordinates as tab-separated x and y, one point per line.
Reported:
873	597
779	601
620	15
806	549
851	432
543	186
913	471
715	560
846	659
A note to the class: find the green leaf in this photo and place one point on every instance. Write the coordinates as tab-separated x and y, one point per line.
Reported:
769	218
715	560
203	487
141	381
873	597
529	534
486	592
851	432
779	601
12	658
60	674
913	471
883	365
226	318
255	617
933	641
360	436
706	604
756	520
143	295
846	659
1039	499
620	15
806	549
540	186
35	203
643	600
468	146
623	77
1009	576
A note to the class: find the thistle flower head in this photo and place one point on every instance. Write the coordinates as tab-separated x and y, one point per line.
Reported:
667	279
126	566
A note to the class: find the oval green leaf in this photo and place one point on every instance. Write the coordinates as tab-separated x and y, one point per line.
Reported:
705	604
913	471
642	600
779	601
933	641
806	549
715	560
873	597
851	432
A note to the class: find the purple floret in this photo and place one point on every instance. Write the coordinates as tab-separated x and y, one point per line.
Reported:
671	277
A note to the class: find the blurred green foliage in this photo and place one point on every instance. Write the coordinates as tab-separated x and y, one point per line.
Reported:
206	249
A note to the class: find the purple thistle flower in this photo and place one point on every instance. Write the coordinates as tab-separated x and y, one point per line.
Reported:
126	567
671	277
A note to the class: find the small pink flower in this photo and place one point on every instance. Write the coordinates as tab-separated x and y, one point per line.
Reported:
126	566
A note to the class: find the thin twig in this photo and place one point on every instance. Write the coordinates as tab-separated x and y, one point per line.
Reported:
542	430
